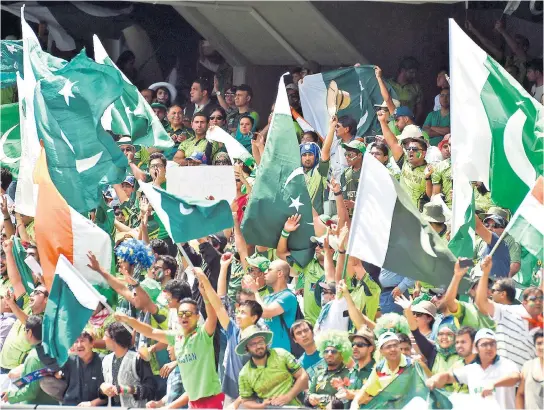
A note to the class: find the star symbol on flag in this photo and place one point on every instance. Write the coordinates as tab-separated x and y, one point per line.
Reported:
66	91
295	203
11	48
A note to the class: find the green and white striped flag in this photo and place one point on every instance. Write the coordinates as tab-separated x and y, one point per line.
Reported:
11	62
497	134
131	114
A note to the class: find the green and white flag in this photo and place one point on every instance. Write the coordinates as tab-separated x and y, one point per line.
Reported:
72	301
496	126
280	189
11	62
387	230
81	155
186	219
463	227
19	254
10	142
131	114
363	89
233	147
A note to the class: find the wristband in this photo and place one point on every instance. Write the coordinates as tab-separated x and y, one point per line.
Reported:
5	219
285	234
342	252
428	179
338	193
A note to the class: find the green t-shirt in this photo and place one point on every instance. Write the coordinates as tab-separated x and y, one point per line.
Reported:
413	180
15	347
312	272
321	382
131	211
482	202
271	380
349	181
514	248
196	361
368	304
409	95
435	119
358	377
235	283
32	392
442	176
191	145
316	181
469	315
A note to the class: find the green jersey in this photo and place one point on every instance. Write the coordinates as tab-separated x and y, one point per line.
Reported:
412	179
312	272
442	176
316	181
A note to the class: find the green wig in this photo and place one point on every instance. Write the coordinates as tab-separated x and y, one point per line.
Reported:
337	339
392	322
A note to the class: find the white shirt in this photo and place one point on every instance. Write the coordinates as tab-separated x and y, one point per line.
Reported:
514	341
335	318
537	92
338	162
476	378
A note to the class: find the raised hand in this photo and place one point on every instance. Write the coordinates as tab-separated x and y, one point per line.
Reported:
403	302
292	223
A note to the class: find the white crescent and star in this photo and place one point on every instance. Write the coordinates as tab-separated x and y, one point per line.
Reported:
5	158
295	203
296	171
66	91
185	211
11	48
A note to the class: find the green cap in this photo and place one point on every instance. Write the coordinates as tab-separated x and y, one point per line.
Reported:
152	288
355	145
158	105
249	333
246	158
260	262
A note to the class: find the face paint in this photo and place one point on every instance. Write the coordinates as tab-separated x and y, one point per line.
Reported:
418	155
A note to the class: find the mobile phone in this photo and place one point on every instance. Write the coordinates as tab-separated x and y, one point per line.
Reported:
466	263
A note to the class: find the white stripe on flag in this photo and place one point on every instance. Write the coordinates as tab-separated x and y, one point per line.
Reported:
313	98
234	148
374	207
81	289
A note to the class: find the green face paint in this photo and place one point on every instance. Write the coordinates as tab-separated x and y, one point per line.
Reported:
418	155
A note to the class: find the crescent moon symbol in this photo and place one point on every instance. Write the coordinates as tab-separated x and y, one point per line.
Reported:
5	158
296	171
185	211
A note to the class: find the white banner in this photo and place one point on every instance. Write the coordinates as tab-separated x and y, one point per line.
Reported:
201	182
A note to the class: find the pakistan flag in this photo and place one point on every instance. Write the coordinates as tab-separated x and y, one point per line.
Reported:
10	142
359	83
280	189
130	114
11	62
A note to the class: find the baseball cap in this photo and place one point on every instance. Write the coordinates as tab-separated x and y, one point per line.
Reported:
403	112
197	156
158	105
425	307
495	210
484	333
387	337
499	220
329	286
355	145
124	141
396	103
129	180
152	288
259	262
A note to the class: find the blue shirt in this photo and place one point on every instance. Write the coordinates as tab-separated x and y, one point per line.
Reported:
288	301
311	363
390	279
234	362
501	258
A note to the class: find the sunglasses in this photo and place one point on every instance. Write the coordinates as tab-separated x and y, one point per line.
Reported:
350	154
185	313
330	351
418	314
222	162
534	298
217	117
413	149
360	344
39	292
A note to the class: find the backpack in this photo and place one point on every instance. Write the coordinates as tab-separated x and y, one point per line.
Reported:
296	349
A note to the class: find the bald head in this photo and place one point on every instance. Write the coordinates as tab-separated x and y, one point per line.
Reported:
277	273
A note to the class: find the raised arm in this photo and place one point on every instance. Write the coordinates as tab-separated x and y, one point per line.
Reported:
11	268
211	317
116	284
213	297
514	46
389	137
142	328
451	293
290	226
326	150
383	89
482	302
357	317
483	232
495	51
9	229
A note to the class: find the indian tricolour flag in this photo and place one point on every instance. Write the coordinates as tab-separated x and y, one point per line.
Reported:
387	230
61	230
72	301
527	224
496	129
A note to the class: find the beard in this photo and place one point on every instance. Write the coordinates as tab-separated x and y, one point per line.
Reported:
259	356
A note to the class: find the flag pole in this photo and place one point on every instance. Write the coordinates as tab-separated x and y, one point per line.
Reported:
503	234
345	268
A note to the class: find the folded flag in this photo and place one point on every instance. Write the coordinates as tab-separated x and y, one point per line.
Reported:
72	301
19	254
186	219
61	230
388	231
527	224
10	142
280	189
131	114
234	148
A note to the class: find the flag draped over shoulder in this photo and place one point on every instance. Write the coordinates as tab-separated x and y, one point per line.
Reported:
361	85
280	189
11	62
409	386
131	114
186	218
71	303
10	142
388	231
61	230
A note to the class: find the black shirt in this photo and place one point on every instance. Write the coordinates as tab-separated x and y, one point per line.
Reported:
83	380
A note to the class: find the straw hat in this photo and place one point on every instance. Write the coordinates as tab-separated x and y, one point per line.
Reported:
336	99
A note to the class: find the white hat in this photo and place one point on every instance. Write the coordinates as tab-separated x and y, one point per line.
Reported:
396	103
410	131
171	89
484	334
387	337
